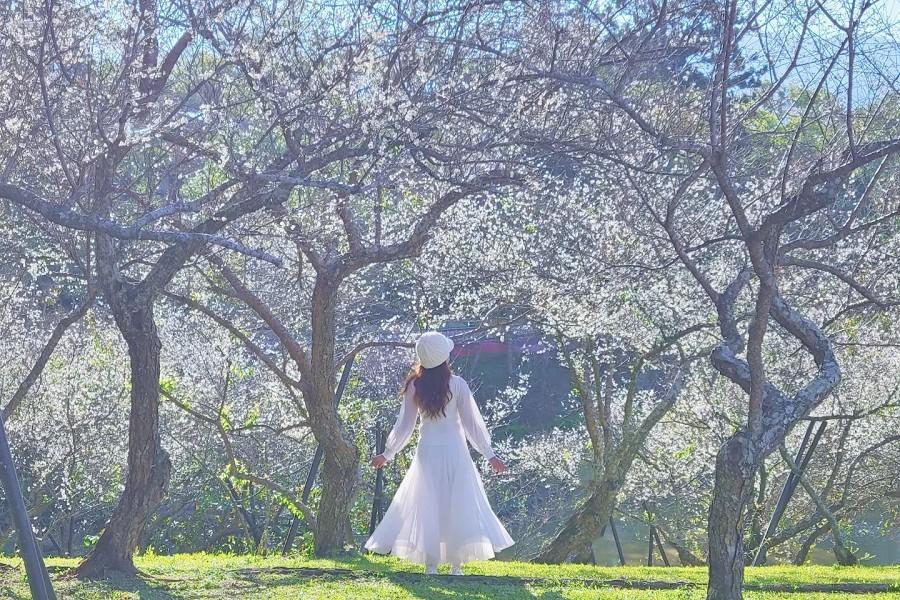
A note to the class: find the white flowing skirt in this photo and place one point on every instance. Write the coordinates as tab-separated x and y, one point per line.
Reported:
440	512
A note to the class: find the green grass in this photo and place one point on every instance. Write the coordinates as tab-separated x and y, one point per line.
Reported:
219	577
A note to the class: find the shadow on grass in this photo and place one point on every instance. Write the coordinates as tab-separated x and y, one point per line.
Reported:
14	586
146	587
418	585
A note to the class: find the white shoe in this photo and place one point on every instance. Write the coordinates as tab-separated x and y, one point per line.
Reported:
431	569
456	570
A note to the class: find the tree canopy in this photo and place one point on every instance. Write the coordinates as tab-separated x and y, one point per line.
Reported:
664	236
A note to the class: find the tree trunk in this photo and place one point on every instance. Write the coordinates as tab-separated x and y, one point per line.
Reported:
148	464
736	465
807	544
842	554
338	493
585	557
583	527
687	558
340	469
757	518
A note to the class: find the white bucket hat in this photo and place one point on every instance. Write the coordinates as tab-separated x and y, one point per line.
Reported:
433	349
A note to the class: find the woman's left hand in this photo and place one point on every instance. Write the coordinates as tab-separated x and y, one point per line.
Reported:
498	465
378	461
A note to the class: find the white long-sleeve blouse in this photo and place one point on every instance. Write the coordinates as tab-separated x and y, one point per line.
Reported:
463	421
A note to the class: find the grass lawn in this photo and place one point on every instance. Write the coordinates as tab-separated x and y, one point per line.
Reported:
210	576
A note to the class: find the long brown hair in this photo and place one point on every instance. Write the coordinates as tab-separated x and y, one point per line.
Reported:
432	388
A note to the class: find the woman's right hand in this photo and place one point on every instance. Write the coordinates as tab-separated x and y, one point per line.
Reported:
498	465
378	461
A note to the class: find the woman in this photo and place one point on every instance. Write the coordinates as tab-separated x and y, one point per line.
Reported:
440	513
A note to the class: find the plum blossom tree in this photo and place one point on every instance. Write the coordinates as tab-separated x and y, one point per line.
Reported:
854	465
149	141
757	193
641	184
430	133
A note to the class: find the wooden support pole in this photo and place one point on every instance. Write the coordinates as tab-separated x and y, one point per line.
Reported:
659	547
650	533
38	577
615	533
377	501
790	484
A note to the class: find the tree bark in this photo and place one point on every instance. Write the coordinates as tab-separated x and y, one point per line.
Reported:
148	464
842	554
736	466
340	470
756	516
583	527
807	544
338	493
687	558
